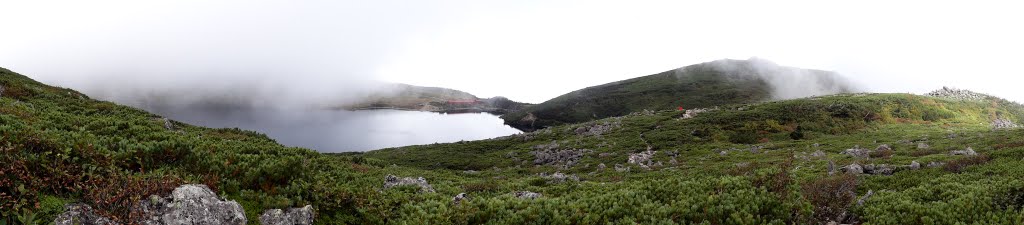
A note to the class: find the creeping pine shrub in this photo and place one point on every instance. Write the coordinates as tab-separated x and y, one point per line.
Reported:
831	196
958	165
886	153
114	196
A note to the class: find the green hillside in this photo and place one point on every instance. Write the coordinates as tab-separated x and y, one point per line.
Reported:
764	163
697	86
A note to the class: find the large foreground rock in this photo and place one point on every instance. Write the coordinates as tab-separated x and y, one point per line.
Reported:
190	204
292	216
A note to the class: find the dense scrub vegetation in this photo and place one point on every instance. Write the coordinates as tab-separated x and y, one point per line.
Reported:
741	164
697	86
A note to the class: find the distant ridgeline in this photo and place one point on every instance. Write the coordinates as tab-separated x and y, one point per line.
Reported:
702	85
432	99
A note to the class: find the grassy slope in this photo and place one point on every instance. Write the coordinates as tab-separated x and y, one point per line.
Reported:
696	86
59	146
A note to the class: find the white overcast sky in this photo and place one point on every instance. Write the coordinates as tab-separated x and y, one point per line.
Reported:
526	50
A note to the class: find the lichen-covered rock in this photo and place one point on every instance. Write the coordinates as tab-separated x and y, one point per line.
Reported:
391	181
854	169
75	214
190	204
527	195
968	152
935	164
858	152
292	216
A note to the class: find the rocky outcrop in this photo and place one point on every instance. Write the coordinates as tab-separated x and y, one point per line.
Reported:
167	124
75	214
968	152
549	154
596	128
957	94
292	216
691	113
190	204
643	159
1004	124
391	181
527	195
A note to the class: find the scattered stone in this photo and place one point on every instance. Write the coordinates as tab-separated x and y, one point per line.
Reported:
691	113
1003	124
597	129
756	149
936	164
673	161
189	204
559	177
723	153
77	213
831	168
860	202
603	155
882	169
459	197
883	147
819	154
621	168
914	165
968	152
923	146
644	159
527	195
565	158
858	152
471	172
601	167
293	216
391	181
854	169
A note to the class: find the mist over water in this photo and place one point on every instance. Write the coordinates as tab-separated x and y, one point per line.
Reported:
345	131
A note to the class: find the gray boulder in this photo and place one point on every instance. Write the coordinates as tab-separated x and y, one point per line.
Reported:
80	214
915	165
190	204
527	195
293	216
968	152
882	169
559	177
857	152
854	169
391	181
923	145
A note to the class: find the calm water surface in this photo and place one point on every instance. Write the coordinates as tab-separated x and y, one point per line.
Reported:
343	131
